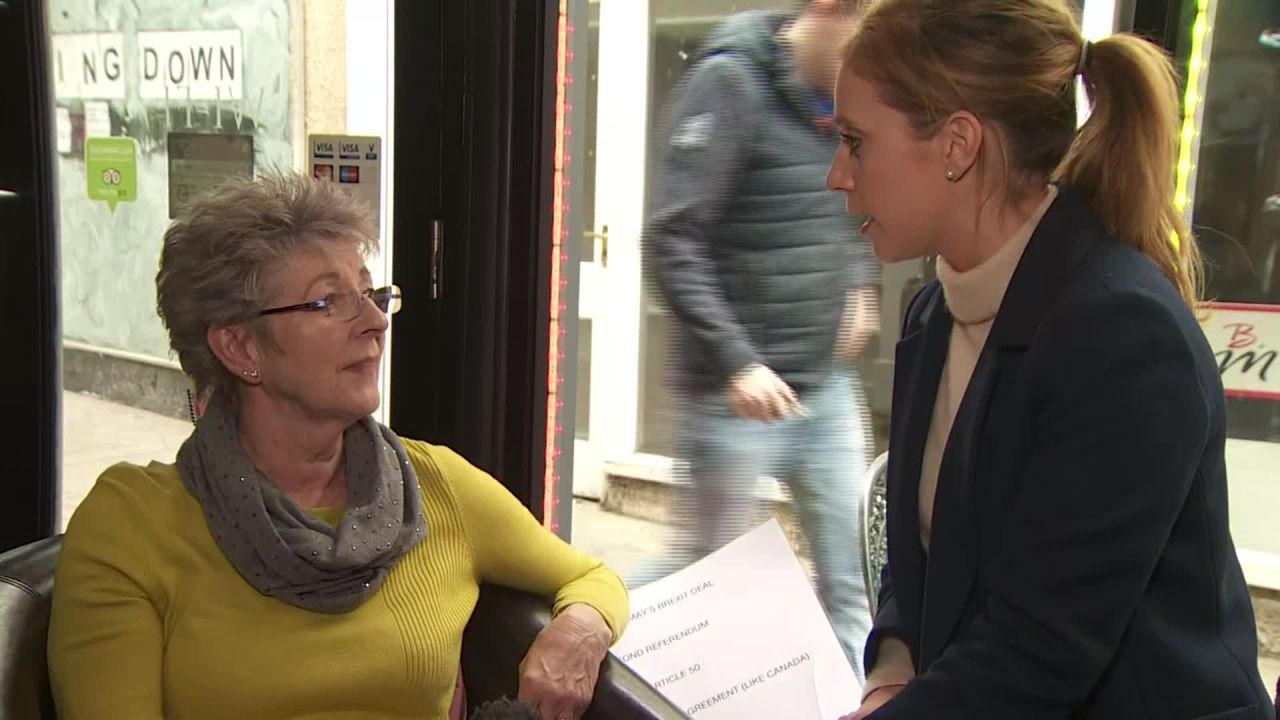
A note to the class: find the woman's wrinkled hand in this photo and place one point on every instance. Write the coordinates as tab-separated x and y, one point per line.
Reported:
558	675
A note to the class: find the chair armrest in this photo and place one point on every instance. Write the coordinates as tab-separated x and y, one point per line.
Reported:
504	625
26	584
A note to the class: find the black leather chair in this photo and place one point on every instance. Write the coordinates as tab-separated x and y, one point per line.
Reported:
503	626
26	583
875	544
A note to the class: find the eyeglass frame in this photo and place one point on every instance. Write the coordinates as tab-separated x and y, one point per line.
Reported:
325	303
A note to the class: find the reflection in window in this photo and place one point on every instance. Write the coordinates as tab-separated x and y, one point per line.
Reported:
768	247
1236	204
202	90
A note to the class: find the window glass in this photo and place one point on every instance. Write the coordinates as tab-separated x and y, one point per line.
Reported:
663	471
179	94
1230	178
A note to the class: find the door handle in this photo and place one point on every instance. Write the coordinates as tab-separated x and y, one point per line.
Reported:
437	258
601	239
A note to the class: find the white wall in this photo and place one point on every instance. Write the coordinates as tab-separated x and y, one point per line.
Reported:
370	97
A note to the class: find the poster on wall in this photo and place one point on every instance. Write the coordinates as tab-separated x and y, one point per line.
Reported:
63	129
1246	342
97	119
740	634
198	161
181	65
354	162
194	65
111	170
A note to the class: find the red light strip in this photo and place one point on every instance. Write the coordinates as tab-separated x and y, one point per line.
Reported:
559	207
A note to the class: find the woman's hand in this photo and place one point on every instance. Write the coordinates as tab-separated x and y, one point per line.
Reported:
558	675
874	700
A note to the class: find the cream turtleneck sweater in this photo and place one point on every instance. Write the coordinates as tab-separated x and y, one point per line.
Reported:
974	298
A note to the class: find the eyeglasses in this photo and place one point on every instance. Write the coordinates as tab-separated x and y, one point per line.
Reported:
346	306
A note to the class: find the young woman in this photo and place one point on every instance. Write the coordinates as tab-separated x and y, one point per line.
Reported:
1058	525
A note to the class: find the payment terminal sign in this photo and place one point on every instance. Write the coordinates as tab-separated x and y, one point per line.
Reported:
354	163
111	169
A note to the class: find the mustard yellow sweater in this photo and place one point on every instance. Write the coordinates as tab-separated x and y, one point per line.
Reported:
150	620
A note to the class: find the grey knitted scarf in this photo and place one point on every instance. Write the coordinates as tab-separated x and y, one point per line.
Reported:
285	552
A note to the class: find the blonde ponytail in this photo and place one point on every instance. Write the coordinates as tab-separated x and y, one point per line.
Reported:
1123	158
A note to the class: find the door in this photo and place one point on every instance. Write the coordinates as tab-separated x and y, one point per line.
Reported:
29	367
609	270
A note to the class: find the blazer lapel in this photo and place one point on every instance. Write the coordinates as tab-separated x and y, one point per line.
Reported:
1061	241
952	561
918	367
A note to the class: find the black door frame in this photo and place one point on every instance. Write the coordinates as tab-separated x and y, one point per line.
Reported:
474	134
1162	21
30	367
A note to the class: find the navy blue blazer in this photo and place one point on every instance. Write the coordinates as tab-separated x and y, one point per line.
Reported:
1081	563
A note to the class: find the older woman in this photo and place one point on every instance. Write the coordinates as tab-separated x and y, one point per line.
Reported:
299	559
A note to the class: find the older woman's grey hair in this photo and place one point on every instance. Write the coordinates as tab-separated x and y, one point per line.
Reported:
220	254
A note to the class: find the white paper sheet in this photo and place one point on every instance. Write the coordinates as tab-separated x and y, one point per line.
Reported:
741	634
97	118
62	120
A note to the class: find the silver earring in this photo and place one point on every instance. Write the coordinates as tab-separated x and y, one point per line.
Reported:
252	374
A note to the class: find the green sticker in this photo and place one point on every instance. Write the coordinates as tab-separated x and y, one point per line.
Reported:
111	166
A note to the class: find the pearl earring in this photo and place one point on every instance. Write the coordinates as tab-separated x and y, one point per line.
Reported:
951	175
252	374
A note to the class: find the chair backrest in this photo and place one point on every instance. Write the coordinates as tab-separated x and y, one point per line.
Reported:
26	584
502	628
875	552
